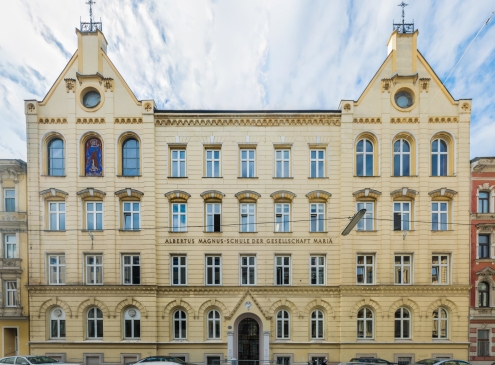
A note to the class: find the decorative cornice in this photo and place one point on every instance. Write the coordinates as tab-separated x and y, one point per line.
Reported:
367	120
448	193
485	227
252	120
283	194
410	193
318	194
52	192
212	194
483	216
247	194
90	121
91	192
128	120
128	192
52	121
367	193
486	272
404	120
177	194
107	82
443	120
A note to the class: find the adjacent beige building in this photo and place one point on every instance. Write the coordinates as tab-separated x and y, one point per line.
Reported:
216	235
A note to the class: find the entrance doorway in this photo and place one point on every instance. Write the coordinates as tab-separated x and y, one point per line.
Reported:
10	341
248	342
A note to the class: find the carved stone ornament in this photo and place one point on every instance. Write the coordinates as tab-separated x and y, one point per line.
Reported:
424	84
90	121
128	120
443	120
466	107
485	228
254	120
70	85
52	121
404	120
9	217
248	305
386	85
108	83
347	107
132	313
57	312
31	108
486	274
148	107
367	120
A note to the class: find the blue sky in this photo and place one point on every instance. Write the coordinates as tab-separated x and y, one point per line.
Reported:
245	54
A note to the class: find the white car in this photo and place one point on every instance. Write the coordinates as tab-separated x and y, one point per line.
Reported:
31	360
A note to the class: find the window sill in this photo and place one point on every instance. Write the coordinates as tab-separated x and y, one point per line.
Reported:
318	232
279	232
367	176
248	232
210	232
287	178
439	231
212	177
403	340
243	177
318	178
54	231
405	176
92	230
485	260
92	176
53	175
129	175
175	232
177	177
444	176
365	231
129	230
365	339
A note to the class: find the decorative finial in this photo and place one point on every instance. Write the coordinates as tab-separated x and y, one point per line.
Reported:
92	26
402	4
404	27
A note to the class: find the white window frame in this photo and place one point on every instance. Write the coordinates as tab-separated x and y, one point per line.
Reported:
317	213
10	246
439	212
439	266
363	224
214	325
364	321
211	161
136	317
317	161
248	268
405	215
5	197
437	155
282	161
129	267
280	212
438	322
180	161
478	245
95	321
283	267
177	217
57	216
11	293
213	209
94	213
96	267
489	200
365	153
57	265
401	320
402	155
282	322
58	321
181	280
131	213
318	322
317	267
248	211
179	321
364	266
399	268
210	281
248	160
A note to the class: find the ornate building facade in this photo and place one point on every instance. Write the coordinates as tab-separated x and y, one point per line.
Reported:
14	309
214	235
482	317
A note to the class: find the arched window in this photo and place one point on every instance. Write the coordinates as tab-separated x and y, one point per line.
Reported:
130	157
56	162
93	157
95	323
317	324
283	325
365	323
439	157
180	325
402	158
484	294
57	323
213	324
132	323
364	158
402	323
440	322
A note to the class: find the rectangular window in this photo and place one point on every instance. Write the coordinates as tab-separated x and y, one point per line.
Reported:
213	221
439	216
483	343
57	216
248	217
56	269
10	247
317	267
132	269
483	246
317	217
11	294
317	163
248	160
248	270
212	163
402	214
483	202
179	217
94	269
282	163
282	217
94	216
440	269
179	270
283	360
402	269
131	216
213	270
282	270
9	200
367	222
178	163
365	269
404	360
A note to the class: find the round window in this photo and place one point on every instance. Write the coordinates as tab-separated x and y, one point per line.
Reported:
91	99
404	99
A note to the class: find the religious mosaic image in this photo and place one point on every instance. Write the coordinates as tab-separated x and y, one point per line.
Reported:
93	166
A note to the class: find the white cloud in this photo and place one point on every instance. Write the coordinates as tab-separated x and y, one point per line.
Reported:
245	54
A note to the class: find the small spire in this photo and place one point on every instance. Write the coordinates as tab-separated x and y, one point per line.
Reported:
91	26
403	27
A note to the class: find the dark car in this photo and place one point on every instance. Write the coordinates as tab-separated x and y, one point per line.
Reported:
158	358
442	362
371	360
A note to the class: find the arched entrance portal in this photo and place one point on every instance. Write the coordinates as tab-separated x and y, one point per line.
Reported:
248	341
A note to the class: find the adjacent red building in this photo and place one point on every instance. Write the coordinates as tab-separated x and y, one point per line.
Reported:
482	304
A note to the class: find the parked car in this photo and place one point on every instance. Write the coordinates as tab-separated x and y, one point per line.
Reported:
30	360
442	362
372	360
158	359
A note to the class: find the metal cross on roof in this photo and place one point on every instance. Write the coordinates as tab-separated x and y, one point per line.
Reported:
404	27
91	26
